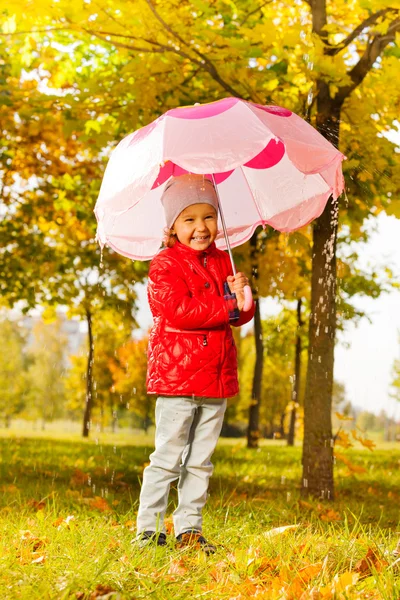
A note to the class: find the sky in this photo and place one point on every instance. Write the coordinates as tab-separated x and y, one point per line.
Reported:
365	352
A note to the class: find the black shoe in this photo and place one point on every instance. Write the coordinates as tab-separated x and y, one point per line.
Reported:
150	537
193	537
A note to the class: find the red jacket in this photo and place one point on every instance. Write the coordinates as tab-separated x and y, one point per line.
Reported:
191	346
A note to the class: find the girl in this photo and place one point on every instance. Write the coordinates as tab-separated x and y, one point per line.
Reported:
192	364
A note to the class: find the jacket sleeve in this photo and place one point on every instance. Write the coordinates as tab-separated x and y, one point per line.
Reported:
245	317
170	296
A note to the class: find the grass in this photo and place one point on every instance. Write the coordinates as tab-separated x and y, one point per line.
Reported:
342	550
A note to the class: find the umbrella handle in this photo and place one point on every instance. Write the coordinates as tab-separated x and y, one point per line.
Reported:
248	298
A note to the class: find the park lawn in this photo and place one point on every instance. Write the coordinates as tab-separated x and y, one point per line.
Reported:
67	519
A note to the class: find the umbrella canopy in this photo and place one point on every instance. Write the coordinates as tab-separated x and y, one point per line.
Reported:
270	166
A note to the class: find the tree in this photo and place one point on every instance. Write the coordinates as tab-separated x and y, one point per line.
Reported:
129	375
333	97
45	377
49	255
108	335
313	57
13	364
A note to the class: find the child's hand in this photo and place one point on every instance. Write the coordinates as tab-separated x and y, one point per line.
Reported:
237	284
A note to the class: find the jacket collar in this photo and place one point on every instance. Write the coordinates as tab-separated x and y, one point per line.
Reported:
187	251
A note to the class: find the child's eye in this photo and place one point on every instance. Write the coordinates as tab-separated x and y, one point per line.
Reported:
188	220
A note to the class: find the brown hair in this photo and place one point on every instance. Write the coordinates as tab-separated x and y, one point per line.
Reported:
169	238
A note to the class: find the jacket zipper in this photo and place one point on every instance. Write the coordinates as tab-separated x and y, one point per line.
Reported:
205	343
205	261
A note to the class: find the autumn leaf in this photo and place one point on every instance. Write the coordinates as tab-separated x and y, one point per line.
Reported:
342	582
330	516
9	488
79	478
272	533
351	466
303	577
370	563
367	443
343	440
306	505
38	558
177	568
99	503
64	523
342	417
37	504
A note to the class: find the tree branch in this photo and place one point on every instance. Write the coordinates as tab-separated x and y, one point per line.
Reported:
34	31
121	45
374	49
333	50
253	12
208	66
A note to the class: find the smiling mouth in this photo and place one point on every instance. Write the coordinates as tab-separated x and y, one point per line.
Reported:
200	238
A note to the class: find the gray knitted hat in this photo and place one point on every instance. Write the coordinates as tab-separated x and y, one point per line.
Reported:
185	190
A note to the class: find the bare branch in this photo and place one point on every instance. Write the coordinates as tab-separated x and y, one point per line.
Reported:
165	24
121	45
333	50
374	49
253	12
206	63
15	33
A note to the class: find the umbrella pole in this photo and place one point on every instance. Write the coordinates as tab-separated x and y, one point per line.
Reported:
248	298
228	246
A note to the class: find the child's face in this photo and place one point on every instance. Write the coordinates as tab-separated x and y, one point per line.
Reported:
196	226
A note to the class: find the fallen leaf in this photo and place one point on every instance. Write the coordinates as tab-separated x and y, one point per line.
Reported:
102	591
267	565
39	560
177	568
303	577
79	478
37	504
100	504
61	522
306	505
309	572
272	533
10	488
114	544
330	516
370	563
342	582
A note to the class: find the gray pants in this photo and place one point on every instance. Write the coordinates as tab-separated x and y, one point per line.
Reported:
187	431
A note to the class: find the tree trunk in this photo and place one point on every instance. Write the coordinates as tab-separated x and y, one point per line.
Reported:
282	426
318	440
253	432
89	379
297	374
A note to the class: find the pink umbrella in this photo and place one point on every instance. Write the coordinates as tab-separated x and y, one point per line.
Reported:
270	167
